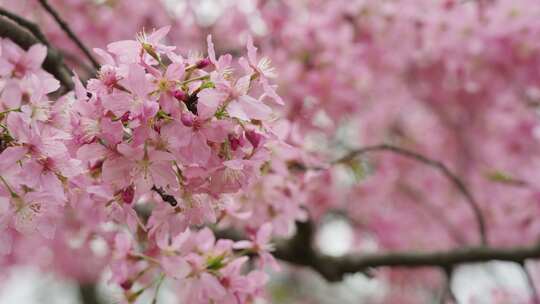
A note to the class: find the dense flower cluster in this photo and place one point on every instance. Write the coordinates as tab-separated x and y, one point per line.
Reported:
160	144
157	145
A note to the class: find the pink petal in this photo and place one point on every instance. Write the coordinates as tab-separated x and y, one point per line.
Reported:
243	245
212	286
209	101
211	51
175	266
264	234
156	36
36	54
252	51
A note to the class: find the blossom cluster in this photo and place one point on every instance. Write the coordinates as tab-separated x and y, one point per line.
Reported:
158	145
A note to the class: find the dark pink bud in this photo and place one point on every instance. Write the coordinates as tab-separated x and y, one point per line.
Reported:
187	120
128	194
125	117
180	95
254	138
235	142
126	285
201	64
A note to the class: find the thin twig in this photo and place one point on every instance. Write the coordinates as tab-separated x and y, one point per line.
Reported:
156	291
458	183
89	293
65	27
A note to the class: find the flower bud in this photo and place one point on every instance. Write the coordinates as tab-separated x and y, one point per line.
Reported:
201	64
254	138
180	95
235	142
126	285
125	118
187	120
128	194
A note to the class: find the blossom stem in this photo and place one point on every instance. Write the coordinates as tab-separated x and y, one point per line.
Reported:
204	77
146	258
11	192
158	286
10	110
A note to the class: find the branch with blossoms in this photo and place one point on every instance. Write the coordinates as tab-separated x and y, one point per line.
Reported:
181	136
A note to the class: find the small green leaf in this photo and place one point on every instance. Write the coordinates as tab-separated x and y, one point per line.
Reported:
207	85
503	177
215	263
358	169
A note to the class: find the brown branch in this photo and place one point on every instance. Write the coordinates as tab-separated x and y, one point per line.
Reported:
89	294
333	269
53	63
300	251
453	178
65	27
27	24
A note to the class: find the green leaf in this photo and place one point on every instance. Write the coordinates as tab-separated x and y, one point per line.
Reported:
215	263
357	168
503	177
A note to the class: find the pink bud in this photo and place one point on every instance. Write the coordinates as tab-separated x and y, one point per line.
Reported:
125	117
180	95
235	142
254	138
128	194
187	120
201	64
126	285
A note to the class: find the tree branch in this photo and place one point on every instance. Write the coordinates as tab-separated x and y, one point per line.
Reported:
27	24
300	251
453	178
65	27
334	268
88	293
53	63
